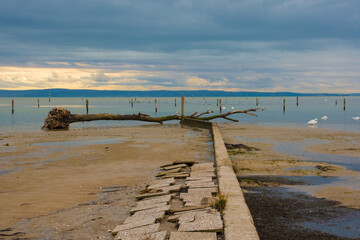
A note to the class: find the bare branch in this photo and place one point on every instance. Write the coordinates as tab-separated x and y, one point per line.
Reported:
192	115
207	112
230	113
230	119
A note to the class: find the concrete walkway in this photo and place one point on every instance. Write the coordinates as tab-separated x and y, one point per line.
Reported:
238	222
179	206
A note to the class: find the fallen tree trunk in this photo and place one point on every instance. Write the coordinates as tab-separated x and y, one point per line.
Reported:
61	118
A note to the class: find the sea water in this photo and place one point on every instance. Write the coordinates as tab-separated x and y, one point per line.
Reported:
28	117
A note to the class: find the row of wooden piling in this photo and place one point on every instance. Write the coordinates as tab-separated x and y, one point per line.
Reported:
218	103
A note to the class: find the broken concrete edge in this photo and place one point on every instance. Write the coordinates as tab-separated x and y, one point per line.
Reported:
196	123
238	222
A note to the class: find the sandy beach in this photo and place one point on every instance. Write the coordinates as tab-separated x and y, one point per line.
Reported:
51	172
82	182
266	161
299	183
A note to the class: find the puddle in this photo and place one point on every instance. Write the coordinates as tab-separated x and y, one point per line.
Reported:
3	172
298	149
348	226
140	145
301	168
80	142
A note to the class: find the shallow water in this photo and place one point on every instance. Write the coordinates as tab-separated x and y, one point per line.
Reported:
28	117
80	143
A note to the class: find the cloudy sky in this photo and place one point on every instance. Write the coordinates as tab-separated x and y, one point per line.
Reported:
234	45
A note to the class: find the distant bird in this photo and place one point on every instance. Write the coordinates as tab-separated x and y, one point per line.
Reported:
224	107
312	122
324	117
356	118
232	107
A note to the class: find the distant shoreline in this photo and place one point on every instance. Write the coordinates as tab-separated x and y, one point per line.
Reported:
156	93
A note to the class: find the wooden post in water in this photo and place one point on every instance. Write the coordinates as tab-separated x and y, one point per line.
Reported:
220	104
344	103
132	102
87	106
155	105
49	96
182	106
12	106
38	103
135	99
336	102
257	102
217	102
297	101
284	105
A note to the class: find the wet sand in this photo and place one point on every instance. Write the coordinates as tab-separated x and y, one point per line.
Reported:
49	179
267	161
291	196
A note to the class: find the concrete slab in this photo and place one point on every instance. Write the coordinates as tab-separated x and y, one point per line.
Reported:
143	214
200	183
193	235
187	162
196	210
202	186
149	195
159	185
154	210
148	206
177	175
134	224
154	200
202	190
184	209
151	236
197	203
175	166
140	231
188	197
201	222
199	179
202	174
168	180
171	189
168	171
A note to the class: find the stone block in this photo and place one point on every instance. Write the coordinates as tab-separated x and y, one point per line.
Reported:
201	222
175	166
148	206
149	236
193	235
134	224
139	231
154	200
144	214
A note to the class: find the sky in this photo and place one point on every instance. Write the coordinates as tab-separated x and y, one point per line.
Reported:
305	46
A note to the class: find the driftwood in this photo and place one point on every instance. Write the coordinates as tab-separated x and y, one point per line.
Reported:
61	118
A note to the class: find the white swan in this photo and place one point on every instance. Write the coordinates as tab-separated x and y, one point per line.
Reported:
232	107
312	122
324	117
356	118
224	108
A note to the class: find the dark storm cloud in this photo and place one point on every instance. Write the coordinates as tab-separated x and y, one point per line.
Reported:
249	44
162	25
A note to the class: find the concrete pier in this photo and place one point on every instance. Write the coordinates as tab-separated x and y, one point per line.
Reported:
238	222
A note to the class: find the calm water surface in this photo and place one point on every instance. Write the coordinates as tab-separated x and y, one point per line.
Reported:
28	117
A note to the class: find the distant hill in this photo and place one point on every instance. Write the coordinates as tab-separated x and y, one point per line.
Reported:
159	93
